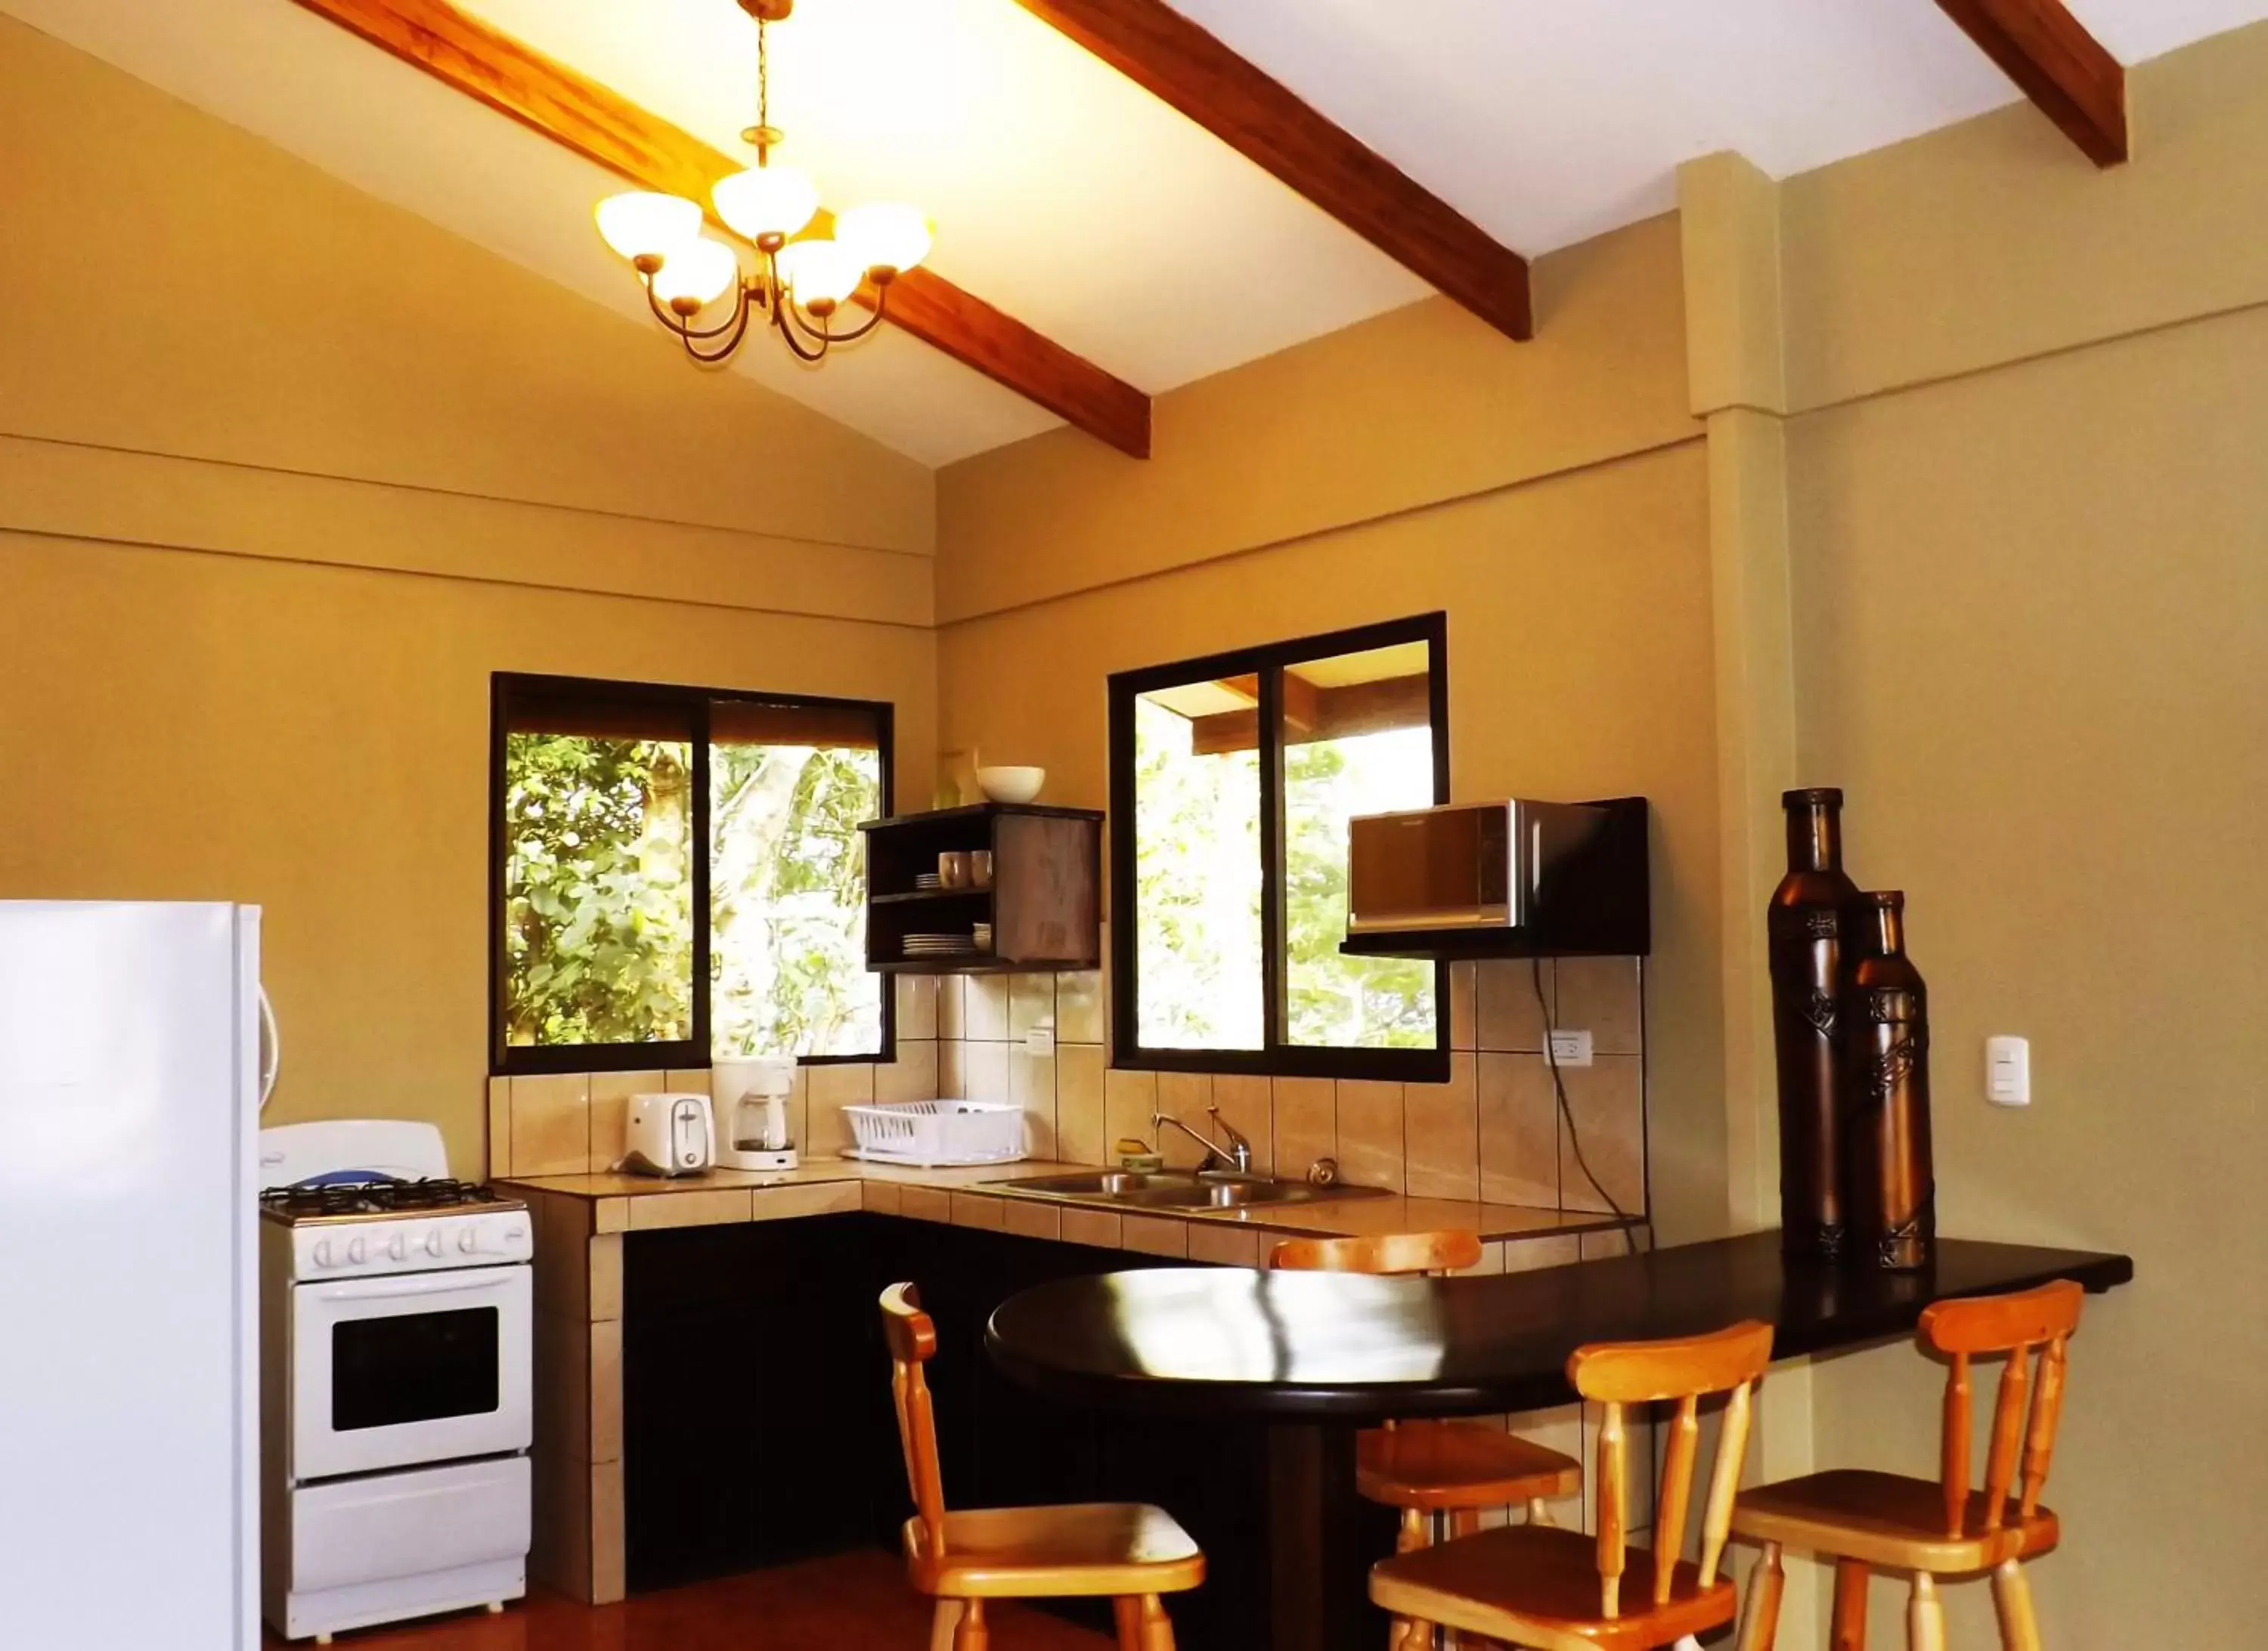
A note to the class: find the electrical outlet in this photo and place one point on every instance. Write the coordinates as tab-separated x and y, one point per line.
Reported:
2008	1072
1569	1049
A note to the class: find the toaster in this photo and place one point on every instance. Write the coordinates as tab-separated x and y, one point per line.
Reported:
669	1135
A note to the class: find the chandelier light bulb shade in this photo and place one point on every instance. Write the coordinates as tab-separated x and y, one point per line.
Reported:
700	271
645	225
819	271
885	235
767	201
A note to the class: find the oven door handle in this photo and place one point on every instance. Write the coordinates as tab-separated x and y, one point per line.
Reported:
431	1284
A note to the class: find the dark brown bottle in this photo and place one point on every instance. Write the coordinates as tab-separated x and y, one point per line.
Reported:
1804	934
1892	1185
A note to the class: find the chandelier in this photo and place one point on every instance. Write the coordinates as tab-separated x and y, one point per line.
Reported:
799	285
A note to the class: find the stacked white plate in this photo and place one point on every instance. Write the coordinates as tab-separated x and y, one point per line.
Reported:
925	880
940	946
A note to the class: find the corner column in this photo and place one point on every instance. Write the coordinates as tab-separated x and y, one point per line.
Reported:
1737	374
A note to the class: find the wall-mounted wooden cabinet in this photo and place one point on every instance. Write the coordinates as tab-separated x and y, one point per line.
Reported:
1043	904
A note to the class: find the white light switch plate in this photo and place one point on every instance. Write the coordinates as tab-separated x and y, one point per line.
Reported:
1039	1040
2008	1072
1571	1048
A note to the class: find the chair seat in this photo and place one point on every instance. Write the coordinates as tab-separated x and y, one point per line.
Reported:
1537	1586
1434	1466
1084	1549
1888	1520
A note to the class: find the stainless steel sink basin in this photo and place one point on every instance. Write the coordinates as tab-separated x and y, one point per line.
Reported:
1103	1183
1180	1190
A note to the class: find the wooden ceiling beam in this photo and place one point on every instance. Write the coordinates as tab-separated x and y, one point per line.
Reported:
2062	67
1311	713
1181	64
601	125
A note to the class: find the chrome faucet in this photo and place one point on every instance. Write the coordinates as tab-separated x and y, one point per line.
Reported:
1236	1159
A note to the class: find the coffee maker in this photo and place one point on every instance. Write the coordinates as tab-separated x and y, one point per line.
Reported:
752	1131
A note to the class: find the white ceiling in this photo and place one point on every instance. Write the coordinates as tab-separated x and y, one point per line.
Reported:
1068	197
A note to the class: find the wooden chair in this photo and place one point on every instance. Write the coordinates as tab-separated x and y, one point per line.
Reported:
1551	1589
1125	1551
1439	1474
1936	1528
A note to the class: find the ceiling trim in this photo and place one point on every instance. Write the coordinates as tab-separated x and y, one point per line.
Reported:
581	114
1179	64
2062	67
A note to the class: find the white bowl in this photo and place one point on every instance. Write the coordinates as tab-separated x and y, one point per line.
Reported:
1011	784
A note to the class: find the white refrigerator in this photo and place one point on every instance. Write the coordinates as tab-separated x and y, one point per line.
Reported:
129	1390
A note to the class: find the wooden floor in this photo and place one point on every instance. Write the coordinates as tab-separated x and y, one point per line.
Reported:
849	1602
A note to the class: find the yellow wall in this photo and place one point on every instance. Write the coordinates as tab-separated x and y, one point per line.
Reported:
285	474
2031	624
1550	496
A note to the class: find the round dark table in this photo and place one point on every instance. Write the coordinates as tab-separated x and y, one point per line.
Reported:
1318	1356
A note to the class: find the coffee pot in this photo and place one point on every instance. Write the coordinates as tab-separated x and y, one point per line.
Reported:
752	1095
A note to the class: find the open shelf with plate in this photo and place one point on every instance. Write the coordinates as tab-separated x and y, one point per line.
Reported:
1042	906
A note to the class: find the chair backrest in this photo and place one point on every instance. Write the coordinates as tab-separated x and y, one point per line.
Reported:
2033	1328
912	1338
1615	1374
1389	1253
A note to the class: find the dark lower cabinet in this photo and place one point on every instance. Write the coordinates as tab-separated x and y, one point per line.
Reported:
758	1426
752	1427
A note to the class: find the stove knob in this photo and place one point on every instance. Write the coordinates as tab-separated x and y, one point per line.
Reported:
468	1240
357	1250
398	1247
433	1245
322	1252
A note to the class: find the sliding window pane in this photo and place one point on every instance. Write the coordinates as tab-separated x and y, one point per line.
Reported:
1196	867
787	871
1358	739
598	876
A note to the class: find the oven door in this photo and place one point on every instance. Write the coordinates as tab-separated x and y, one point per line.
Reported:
414	1367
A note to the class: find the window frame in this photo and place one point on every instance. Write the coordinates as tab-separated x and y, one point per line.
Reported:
531	1060
1274	1058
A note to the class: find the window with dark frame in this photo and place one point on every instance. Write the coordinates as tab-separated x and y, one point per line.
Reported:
677	876
1231	781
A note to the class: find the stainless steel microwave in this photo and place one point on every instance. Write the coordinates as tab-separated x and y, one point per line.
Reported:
1562	876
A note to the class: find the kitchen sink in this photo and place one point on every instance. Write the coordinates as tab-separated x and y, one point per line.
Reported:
1102	1183
1172	1190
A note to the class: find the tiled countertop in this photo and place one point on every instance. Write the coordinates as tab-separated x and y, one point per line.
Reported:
969	1198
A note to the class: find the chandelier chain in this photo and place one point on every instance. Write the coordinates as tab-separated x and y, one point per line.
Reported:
763	76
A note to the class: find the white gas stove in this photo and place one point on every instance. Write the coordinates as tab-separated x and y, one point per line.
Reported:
428	1224
396	1338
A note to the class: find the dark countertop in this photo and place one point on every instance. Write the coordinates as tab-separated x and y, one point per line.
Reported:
1313	1345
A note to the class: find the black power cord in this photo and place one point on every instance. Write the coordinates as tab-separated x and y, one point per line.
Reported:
1567	1112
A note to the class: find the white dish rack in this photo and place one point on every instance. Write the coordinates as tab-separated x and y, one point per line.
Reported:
938	1134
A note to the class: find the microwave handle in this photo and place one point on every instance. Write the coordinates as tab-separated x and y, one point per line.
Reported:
396	1289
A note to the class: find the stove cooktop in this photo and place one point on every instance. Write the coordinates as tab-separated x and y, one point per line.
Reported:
376	1201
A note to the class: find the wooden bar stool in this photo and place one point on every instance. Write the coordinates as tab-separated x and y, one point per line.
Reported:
1127	1552
1864	1521
1439	1474
1550	1589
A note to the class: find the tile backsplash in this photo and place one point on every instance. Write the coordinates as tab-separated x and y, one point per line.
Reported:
572	1124
1493	1131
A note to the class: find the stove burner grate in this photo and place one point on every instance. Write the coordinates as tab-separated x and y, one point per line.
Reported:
376	1198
